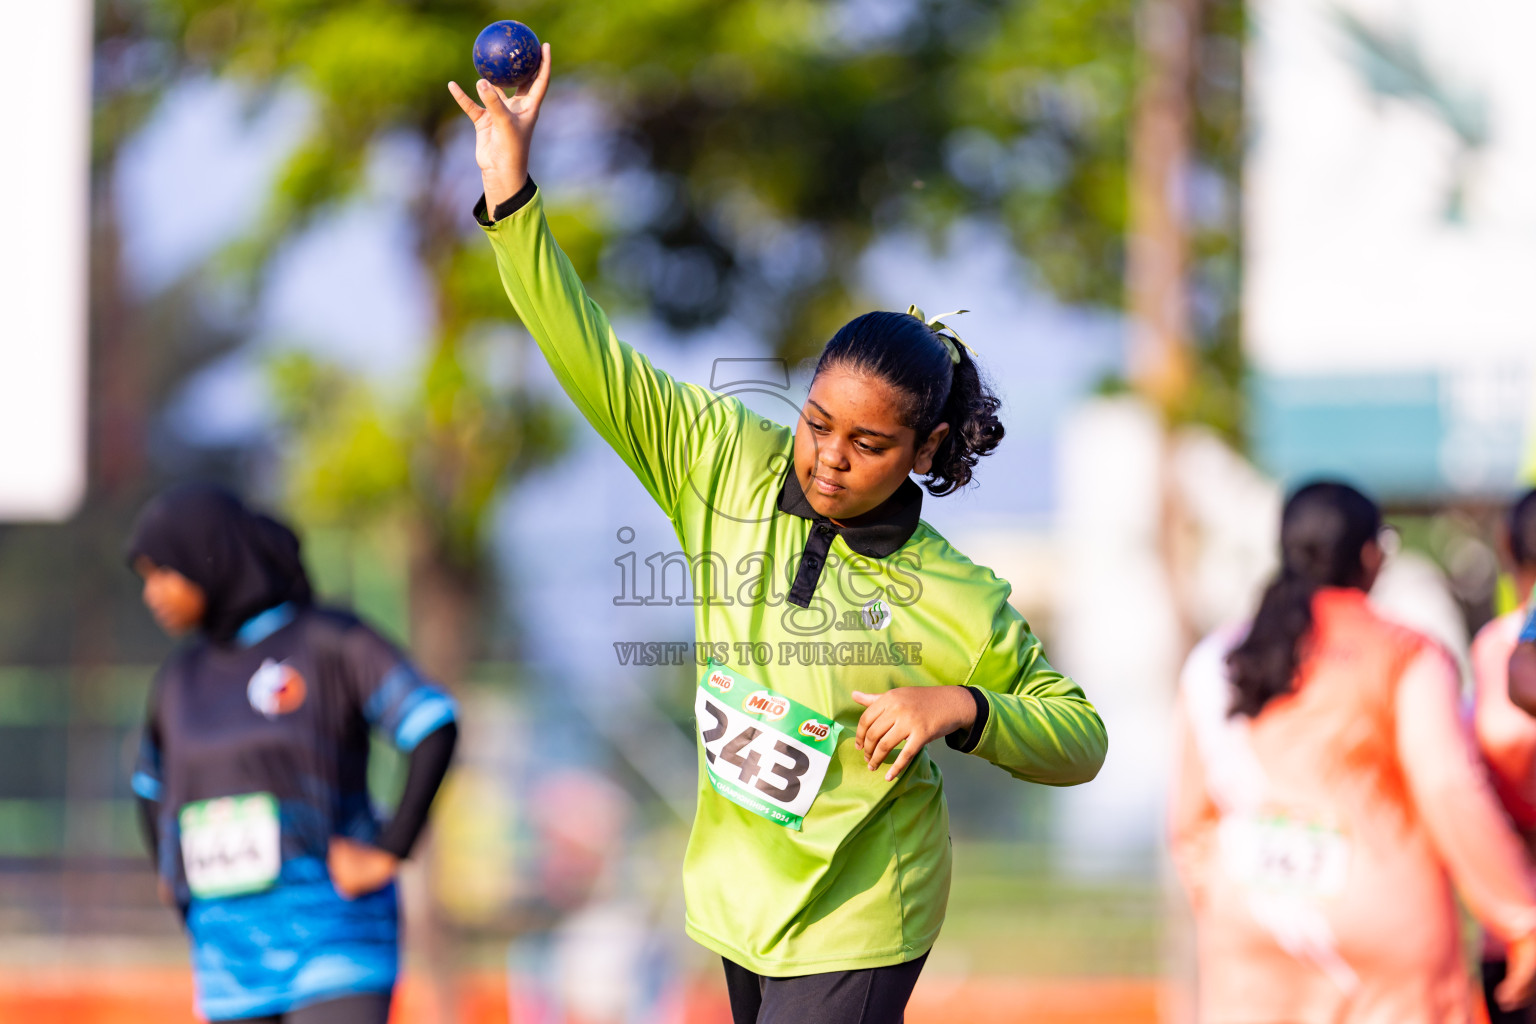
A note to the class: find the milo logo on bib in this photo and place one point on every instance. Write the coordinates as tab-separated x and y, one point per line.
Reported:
762	750
766	704
815	730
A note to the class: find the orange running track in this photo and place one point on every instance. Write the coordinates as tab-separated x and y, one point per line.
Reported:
164	996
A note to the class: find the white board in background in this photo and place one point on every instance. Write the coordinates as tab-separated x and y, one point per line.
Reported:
44	193
1390	242
1352	261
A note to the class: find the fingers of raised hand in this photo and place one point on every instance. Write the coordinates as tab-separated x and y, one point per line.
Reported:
494	99
469	106
536	89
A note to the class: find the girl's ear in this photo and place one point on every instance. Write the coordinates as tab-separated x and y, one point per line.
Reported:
1372	557
923	463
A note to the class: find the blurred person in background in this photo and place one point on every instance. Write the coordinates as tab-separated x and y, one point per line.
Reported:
1328	795
1522	666
1522	660
252	775
1507	734
603	959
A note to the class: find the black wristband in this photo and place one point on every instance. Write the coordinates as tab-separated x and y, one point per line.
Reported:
965	740
507	207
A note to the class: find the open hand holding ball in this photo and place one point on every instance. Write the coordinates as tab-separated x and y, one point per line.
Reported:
507	54
504	125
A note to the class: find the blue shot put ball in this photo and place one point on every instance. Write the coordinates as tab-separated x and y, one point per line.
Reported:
507	54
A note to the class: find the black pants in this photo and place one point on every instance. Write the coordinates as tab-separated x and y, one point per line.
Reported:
365	1008
1493	973
876	995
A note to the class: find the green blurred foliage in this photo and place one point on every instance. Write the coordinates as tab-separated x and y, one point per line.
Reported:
746	153
760	122
437	454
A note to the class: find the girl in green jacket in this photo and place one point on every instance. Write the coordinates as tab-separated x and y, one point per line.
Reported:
819	861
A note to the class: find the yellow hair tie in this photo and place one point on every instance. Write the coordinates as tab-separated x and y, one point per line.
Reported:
936	324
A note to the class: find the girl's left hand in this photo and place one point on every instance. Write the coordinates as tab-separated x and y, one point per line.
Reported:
357	868
911	714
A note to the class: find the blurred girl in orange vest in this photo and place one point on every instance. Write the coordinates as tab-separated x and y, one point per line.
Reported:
1329	794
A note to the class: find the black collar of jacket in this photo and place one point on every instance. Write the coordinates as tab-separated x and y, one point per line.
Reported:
880	532
877	533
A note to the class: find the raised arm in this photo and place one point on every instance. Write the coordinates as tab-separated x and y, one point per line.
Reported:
657	425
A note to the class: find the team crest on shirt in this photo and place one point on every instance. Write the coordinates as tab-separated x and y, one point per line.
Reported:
877	614
276	689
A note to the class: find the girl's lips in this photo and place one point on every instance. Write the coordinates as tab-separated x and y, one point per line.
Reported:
826	486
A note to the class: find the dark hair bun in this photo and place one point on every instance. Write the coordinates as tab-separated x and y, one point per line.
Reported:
912	358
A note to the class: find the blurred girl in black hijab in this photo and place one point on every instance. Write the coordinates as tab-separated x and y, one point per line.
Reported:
243	562
252	775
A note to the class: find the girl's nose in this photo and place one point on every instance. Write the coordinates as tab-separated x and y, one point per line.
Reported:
831	455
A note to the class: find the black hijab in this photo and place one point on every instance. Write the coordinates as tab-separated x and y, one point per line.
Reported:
245	562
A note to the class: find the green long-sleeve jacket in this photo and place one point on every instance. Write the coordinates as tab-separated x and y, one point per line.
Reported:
801	859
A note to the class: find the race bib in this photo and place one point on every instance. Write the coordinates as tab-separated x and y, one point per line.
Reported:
762	750
230	846
1280	854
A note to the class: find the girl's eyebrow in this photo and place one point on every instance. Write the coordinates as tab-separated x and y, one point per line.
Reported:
856	430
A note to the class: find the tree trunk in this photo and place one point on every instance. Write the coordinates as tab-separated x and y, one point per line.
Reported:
118	407
1160	363
1161	366
444	605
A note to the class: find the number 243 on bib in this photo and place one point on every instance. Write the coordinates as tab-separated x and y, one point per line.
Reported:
762	750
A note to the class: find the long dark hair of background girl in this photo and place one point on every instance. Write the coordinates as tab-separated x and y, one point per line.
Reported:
1323	530
912	358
